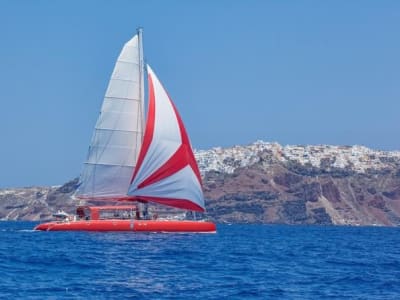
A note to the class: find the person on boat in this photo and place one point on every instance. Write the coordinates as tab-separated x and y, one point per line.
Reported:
145	211
189	215
80	213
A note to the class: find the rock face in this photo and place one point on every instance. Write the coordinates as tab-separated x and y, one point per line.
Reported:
36	203
267	183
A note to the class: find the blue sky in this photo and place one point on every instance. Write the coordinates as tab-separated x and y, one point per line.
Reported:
295	72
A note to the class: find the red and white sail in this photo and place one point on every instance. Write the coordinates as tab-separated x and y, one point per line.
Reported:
166	171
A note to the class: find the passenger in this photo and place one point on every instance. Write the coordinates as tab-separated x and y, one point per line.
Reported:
146	211
80	214
189	215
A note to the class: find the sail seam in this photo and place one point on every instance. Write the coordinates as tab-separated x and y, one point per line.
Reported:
125	80
119	130
121	98
118	112
104	164
113	147
127	61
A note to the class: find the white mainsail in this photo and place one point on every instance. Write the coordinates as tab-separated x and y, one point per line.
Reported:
118	133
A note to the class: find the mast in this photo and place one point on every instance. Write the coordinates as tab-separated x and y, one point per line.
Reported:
139	31
141	74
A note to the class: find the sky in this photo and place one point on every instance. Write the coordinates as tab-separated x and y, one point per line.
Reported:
292	72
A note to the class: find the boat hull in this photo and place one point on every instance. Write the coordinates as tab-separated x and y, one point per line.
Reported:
130	225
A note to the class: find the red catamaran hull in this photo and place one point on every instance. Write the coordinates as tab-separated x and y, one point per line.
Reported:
130	225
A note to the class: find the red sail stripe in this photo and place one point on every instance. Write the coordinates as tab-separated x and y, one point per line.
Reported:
178	203
175	163
149	131
185	141
181	158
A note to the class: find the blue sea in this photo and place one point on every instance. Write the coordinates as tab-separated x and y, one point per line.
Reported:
239	262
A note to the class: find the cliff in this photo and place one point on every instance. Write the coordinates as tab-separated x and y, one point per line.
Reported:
268	183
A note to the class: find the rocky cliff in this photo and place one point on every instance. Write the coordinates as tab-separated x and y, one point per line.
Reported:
36	203
268	183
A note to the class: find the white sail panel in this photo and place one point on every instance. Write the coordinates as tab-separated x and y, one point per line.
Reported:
123	71
117	156
119	130
132	52
127	90
123	121
119	139
104	179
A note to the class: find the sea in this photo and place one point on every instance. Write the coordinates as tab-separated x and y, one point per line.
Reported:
238	262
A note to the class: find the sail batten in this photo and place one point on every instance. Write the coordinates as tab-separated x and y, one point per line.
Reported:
118	131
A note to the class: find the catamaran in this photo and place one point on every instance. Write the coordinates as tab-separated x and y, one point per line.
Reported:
135	161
